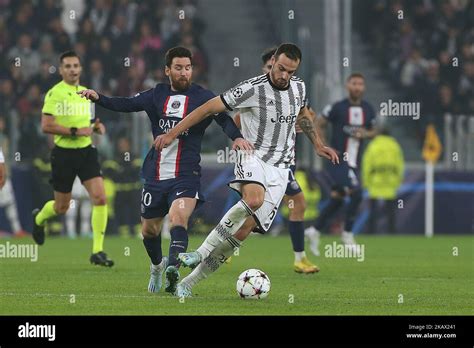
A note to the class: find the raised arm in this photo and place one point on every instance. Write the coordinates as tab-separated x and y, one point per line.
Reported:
305	121
211	107
121	104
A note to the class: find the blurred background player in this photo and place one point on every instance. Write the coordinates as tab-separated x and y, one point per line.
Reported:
82	208
124	171
382	175
68	117
294	197
352	120
7	195
172	177
3	174
7	200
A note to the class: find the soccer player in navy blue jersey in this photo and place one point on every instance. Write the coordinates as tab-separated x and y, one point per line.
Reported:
172	176
353	120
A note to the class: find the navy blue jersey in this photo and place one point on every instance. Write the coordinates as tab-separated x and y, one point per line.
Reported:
344	117
165	108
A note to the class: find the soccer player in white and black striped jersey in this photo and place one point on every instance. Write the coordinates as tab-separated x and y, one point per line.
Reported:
294	196
270	105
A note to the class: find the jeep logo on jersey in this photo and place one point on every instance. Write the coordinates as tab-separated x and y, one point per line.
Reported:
283	119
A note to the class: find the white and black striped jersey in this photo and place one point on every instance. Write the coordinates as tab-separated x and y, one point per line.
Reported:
268	116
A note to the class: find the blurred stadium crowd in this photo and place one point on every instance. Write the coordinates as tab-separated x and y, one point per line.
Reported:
429	55
122	45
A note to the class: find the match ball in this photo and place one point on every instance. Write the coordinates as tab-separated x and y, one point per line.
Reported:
253	284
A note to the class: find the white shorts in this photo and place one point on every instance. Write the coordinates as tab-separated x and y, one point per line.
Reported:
274	180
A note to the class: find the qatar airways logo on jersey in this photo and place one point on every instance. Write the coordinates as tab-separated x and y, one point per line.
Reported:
290	119
167	125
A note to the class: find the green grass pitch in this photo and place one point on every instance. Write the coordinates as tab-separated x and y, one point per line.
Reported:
421	273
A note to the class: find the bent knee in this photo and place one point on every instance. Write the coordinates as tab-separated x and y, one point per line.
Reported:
150	232
178	220
254	202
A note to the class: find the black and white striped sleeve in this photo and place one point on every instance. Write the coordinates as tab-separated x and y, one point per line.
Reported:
241	96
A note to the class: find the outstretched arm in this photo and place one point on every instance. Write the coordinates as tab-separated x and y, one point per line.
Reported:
120	104
305	121
211	107
230	128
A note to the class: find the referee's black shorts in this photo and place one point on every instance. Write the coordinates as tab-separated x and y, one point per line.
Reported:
66	164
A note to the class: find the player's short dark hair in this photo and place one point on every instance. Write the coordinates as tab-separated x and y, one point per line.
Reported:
68	54
355	75
290	50
177	52
268	53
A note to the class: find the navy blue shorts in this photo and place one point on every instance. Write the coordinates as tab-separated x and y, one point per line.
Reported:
157	198
344	177
293	188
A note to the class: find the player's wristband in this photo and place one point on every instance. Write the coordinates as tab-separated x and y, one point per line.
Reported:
73	131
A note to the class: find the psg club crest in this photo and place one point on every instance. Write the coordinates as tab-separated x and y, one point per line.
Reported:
176	104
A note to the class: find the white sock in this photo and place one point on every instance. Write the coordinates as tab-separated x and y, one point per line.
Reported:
12	216
347	237
299	255
157	267
70	219
86	211
311	232
229	224
213	261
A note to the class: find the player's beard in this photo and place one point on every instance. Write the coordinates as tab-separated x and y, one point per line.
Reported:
279	82
181	84
355	96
